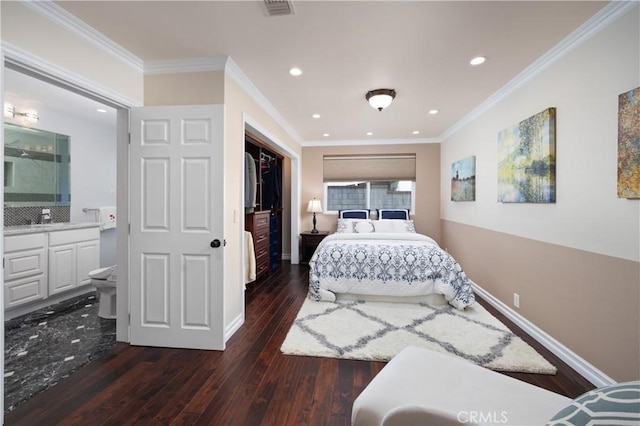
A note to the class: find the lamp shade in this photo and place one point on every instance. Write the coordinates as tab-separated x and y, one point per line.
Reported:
380	98
314	206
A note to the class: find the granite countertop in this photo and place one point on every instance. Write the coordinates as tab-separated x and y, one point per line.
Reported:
47	227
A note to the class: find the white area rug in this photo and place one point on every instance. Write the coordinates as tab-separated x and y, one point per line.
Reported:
376	331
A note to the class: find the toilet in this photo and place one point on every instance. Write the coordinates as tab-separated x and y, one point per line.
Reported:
104	280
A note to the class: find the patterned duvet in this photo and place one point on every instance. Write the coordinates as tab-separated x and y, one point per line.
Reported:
386	264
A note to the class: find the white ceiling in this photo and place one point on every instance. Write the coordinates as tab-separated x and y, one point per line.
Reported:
345	48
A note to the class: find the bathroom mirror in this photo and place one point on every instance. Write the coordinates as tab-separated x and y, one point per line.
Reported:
36	167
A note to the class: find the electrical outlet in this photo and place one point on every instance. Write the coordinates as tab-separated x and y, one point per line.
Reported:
516	300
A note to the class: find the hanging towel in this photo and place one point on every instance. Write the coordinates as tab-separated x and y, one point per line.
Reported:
107	217
250	258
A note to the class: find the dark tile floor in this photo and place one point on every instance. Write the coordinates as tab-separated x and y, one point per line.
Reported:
45	346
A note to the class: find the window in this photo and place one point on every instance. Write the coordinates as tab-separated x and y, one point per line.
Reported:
370	195
369	182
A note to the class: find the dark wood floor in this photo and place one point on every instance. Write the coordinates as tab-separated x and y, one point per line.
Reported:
250	383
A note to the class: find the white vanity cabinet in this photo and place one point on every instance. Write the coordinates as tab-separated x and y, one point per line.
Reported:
25	266
72	255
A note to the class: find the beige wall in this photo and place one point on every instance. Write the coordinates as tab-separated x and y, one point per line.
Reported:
585	300
427	211
238	103
574	263
195	88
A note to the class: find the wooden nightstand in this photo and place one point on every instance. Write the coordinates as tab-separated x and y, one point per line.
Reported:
309	244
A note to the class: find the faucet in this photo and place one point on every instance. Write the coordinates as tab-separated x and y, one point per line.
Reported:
45	216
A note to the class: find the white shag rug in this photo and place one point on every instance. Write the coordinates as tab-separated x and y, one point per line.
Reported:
376	331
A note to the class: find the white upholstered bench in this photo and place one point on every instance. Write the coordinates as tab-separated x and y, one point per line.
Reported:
422	387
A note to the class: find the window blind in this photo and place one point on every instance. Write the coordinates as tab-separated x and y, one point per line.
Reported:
388	167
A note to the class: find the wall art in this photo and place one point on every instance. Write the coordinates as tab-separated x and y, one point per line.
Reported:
527	160
629	144
463	179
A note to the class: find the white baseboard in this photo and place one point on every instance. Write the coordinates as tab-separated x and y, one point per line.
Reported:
584	368
233	327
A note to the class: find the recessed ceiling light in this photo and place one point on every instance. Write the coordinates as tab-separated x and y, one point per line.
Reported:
433	111
416	132
478	60
369	133
316	116
295	71
325	134
101	110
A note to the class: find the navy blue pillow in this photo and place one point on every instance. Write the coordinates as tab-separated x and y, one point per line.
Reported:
353	214
402	214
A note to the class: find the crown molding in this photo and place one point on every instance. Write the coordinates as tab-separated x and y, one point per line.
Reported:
219	63
57	14
37	65
606	16
240	77
170	66
369	142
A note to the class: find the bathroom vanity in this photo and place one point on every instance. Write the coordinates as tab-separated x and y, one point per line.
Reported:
48	261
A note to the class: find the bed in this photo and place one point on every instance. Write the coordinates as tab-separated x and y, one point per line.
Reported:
385	259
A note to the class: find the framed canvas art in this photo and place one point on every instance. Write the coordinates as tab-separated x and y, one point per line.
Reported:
527	160
463	179
629	144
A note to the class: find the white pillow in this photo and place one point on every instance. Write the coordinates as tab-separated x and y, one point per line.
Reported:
395	225
365	226
356	226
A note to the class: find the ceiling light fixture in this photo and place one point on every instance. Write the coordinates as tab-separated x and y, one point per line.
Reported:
416	132
101	110
380	98
316	116
478	60
326	135
295	72
433	111
369	133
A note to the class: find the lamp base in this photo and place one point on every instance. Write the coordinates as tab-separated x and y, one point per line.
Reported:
314	230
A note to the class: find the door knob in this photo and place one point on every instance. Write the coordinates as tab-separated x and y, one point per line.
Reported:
215	243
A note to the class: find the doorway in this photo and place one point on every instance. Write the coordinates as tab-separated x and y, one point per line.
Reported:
97	129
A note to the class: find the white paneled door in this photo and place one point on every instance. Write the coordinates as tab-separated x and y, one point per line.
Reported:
176	211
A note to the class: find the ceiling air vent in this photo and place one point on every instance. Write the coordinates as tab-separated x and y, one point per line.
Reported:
278	7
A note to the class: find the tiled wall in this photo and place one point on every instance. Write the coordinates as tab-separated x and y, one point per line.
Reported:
25	215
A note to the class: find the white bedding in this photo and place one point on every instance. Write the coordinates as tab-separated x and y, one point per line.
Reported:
386	264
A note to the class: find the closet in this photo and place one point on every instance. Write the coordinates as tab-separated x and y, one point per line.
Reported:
263	203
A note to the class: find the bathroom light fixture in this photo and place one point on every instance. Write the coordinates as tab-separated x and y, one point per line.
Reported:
10	112
314	207
380	98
